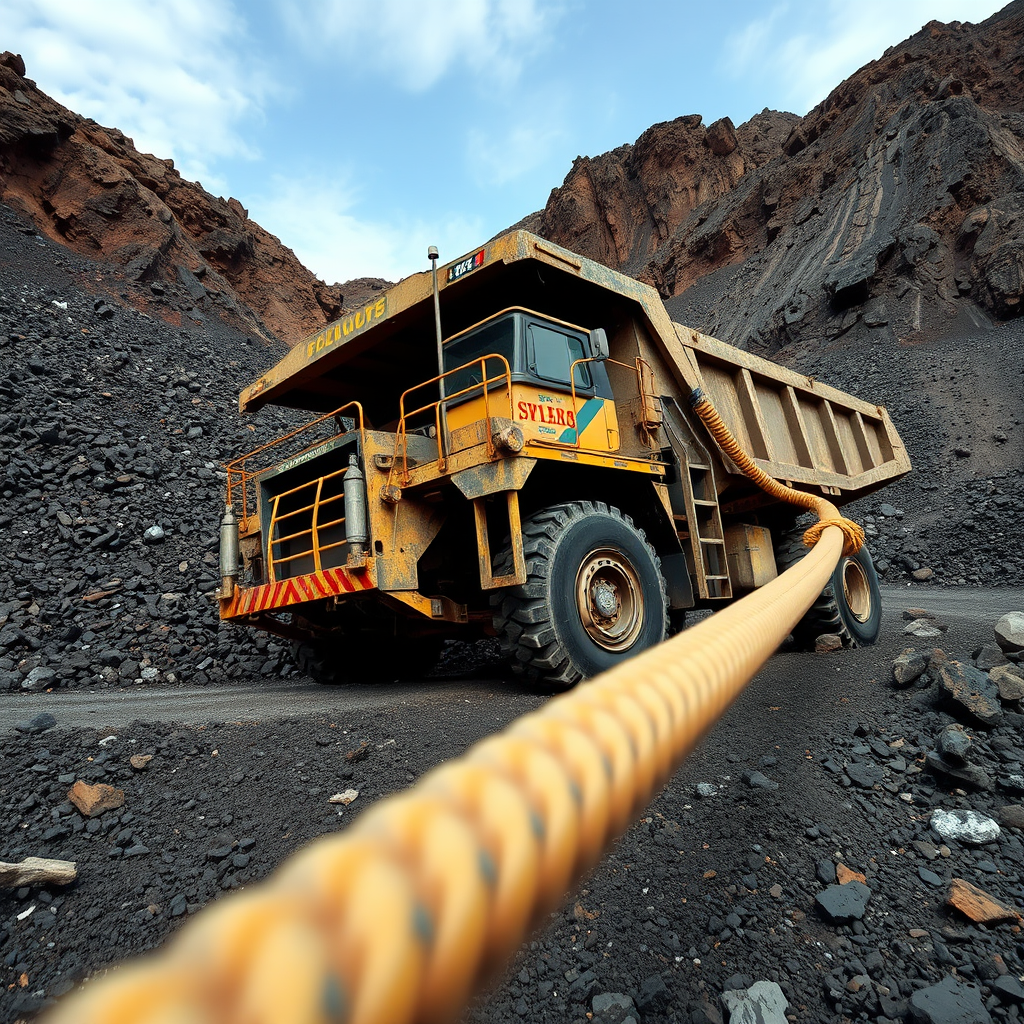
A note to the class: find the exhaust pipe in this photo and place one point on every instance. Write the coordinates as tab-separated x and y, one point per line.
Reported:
228	553
433	255
355	508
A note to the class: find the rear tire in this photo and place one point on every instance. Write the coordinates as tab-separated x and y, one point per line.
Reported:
594	595
850	605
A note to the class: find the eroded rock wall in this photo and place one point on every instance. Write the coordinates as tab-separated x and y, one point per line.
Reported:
894	205
87	187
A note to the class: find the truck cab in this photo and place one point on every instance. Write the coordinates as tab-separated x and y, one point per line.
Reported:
553	367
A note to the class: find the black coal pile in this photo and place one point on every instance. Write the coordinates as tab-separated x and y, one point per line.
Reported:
113	429
957	400
194	812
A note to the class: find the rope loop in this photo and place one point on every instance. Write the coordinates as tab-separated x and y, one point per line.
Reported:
853	534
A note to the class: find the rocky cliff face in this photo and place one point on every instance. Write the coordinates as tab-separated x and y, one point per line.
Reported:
622	207
89	188
895	206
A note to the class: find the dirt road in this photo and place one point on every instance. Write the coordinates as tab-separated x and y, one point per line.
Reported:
968	610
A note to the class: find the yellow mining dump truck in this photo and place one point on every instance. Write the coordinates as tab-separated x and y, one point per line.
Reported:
534	472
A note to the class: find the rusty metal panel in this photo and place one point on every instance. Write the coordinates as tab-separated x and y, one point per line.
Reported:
852	452
813	435
813	416
504	475
721	389
879	440
760	442
413	525
750	555
776	424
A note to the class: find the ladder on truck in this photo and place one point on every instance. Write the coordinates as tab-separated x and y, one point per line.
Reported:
695	509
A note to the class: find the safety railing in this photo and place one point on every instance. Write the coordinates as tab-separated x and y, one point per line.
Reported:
438	409
645	396
646	399
241	489
428	892
316	549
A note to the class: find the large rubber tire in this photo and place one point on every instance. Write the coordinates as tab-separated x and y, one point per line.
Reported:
594	595
850	605
385	661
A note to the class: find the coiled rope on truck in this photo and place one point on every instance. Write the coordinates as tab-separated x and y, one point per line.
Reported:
430	891
827	513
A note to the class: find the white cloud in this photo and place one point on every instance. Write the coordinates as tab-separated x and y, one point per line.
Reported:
317	221
748	46
170	75
806	50
494	159
418	42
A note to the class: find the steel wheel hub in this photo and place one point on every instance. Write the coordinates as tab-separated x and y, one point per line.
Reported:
609	599
856	590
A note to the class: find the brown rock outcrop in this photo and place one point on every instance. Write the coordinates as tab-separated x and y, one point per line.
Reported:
894	205
87	187
621	207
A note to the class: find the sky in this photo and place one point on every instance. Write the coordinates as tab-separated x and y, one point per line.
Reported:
361	131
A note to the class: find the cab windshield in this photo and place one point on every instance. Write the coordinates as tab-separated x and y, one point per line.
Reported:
497	338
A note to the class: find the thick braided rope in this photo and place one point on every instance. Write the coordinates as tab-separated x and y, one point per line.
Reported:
827	513
429	892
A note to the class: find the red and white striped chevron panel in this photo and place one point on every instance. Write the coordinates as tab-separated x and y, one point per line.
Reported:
270	596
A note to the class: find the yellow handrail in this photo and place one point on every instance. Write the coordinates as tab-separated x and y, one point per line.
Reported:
240	478
270	546
316	514
403	415
312	531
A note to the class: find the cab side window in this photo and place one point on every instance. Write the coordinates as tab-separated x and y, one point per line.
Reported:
551	353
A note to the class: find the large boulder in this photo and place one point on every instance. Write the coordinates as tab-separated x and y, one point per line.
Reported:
971	690
949	1002
1010	632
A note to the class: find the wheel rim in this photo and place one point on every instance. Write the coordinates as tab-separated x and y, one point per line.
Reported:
856	590
609	599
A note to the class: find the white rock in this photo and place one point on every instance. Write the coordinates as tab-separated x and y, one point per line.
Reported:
107	740
1010	632
922	628
964	826
344	798
762	1003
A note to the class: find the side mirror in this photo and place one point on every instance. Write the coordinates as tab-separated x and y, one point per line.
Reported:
599	343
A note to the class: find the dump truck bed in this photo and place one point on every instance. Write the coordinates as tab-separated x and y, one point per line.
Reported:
796	428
